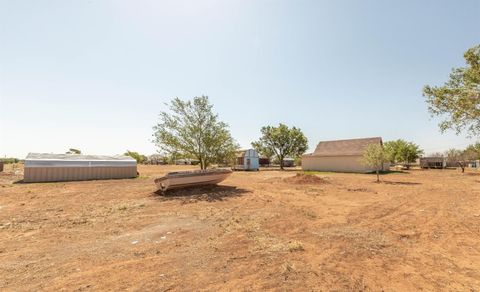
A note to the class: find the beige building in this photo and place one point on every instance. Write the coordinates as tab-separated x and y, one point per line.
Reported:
44	167
340	155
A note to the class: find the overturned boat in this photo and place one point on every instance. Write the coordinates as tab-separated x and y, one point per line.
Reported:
183	179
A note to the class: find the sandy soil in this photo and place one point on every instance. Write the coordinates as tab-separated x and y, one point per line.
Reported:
417	230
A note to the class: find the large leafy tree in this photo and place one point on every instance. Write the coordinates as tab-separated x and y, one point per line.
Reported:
458	100
281	141
375	156
192	129
401	151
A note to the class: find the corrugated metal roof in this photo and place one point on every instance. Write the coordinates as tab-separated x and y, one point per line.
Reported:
75	157
344	147
77	160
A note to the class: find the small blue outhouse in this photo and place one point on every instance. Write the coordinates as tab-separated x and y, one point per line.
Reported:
246	160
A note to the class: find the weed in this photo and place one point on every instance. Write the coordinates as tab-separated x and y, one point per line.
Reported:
310	214
295	245
288	267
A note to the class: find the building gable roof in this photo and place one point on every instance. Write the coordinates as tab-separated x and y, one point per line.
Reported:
348	147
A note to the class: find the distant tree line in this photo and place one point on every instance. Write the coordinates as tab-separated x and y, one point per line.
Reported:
401	151
9	160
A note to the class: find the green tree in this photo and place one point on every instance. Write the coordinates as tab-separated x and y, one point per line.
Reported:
282	141
391	150
375	156
191	128
140	158
401	151
458	101
73	151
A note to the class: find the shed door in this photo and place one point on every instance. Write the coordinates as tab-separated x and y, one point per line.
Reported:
239	160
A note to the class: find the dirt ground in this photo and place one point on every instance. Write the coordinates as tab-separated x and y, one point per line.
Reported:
267	230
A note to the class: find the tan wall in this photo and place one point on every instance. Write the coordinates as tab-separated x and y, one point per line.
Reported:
49	174
336	163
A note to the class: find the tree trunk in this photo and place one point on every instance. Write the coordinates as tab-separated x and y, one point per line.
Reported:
281	163
378	176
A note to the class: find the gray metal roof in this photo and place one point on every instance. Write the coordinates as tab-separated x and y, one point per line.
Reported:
77	160
50	156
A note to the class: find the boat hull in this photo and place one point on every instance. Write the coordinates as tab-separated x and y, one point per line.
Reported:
191	179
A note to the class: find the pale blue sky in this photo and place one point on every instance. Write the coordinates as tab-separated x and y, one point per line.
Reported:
94	74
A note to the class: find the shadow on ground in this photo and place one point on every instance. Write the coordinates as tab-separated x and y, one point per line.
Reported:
393	171
472	173
203	193
407	183
277	168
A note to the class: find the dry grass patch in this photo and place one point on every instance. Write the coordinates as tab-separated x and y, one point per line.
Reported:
306	212
357	241
295	245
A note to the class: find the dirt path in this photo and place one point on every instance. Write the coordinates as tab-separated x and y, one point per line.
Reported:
418	230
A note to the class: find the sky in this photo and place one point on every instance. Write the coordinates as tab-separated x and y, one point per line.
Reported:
94	75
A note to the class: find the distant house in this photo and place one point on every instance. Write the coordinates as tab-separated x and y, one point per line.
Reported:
288	162
433	162
474	164
340	155
156	159
187	161
246	160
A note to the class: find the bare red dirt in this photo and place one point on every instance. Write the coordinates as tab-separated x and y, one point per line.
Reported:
417	230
